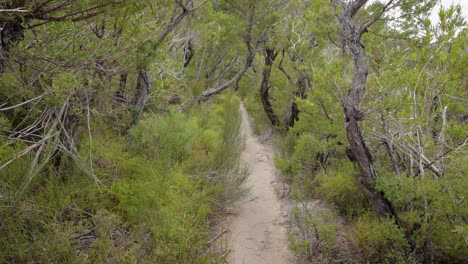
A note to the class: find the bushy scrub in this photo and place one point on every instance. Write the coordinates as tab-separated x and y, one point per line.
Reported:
166	138
230	171
158	187
316	231
381	240
435	210
315	141
340	188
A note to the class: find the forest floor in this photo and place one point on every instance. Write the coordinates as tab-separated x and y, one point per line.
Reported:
258	226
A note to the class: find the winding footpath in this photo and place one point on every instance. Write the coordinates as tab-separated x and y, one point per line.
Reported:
258	230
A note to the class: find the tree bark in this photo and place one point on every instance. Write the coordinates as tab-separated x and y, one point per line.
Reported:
303	84
351	32
270	56
144	89
189	52
119	95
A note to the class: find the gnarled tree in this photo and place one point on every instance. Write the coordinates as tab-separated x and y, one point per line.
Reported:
351	32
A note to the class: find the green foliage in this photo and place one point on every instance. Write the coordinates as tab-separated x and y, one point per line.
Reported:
414	100
381	240
89	185
318	230
339	187
166	138
436	205
255	110
150	204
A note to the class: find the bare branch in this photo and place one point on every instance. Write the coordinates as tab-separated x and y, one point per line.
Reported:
207	94
371	21
426	161
27	150
281	68
16	10
175	22
236	5
23	103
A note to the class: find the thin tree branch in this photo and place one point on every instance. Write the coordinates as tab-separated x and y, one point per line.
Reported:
371	21
23	103
16	10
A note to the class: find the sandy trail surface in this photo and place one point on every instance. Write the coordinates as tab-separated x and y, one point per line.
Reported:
258	229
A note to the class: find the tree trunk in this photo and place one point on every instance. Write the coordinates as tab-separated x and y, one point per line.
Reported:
144	88
364	159
189	52
119	95
352	32
270	56
303	84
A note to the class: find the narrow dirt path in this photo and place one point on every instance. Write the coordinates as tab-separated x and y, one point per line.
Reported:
258	231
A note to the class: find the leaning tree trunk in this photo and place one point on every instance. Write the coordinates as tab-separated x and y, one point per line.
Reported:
270	56
359	148
352	32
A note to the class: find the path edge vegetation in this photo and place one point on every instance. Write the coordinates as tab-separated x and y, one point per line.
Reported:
119	126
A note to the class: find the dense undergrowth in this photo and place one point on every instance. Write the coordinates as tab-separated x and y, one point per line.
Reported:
331	219
160	188
97	165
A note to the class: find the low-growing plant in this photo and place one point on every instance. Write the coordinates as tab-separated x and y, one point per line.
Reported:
315	229
381	241
158	187
339	187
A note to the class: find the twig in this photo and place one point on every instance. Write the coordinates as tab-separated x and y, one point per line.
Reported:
26	150
217	236
89	134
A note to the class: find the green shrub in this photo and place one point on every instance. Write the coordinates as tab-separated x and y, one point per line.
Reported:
316	228
434	209
340	188
159	185
381	241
